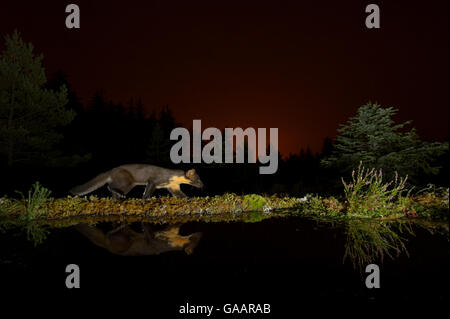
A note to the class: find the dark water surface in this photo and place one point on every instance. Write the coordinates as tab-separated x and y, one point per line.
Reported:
290	263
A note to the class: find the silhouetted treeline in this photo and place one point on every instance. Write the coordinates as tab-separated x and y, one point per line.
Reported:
105	134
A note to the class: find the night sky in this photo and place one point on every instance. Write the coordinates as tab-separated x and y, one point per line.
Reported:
303	67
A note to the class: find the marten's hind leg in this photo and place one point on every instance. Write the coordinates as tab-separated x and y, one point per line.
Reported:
121	184
116	194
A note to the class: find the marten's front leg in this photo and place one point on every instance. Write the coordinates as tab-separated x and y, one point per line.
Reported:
176	192
148	190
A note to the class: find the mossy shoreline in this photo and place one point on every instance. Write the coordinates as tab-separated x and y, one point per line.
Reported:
424	206
366	195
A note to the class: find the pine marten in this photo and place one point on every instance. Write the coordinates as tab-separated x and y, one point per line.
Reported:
122	179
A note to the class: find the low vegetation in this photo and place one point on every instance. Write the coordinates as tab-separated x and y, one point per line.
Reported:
365	196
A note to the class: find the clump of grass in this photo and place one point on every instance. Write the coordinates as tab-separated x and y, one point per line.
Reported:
315	206
323	207
333	206
367	195
28	209
34	205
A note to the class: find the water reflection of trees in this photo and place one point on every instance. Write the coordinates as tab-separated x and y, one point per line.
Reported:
366	240
35	231
369	241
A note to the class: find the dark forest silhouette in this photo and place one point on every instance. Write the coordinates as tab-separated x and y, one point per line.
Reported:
47	135
104	135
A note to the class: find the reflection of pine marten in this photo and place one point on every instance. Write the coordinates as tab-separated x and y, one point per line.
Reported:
122	179
126	242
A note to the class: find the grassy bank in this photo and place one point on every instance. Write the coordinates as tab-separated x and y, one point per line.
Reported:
426	206
366	195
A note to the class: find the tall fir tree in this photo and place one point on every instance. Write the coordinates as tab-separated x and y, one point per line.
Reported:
373	138
30	114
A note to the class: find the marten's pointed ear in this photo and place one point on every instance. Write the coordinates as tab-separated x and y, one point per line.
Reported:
190	173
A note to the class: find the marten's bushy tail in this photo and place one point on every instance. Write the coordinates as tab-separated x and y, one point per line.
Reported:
92	185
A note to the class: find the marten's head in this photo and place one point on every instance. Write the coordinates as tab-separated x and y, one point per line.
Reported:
194	178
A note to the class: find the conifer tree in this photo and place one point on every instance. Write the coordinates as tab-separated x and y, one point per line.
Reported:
29	113
373	138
